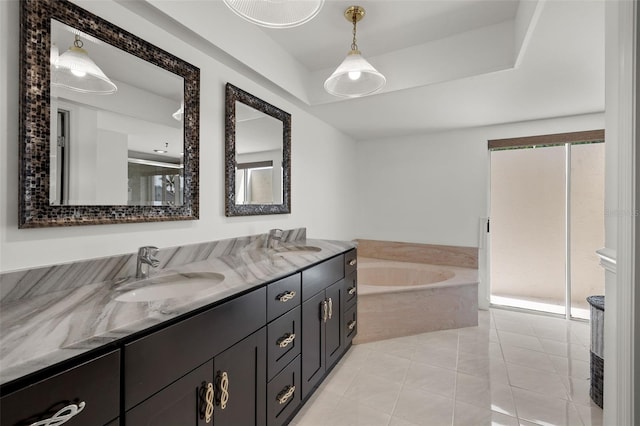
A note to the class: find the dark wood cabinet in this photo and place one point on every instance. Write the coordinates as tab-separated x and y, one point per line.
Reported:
89	394
251	360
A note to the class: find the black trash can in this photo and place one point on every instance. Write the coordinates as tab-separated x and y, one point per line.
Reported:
597	348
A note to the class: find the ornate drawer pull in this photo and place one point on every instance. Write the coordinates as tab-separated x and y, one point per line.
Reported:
222	399
351	324
352	290
285	297
284	341
352	262
325	312
62	416
206	401
286	394
330	308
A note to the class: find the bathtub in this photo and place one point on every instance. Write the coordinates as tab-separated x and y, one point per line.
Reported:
401	298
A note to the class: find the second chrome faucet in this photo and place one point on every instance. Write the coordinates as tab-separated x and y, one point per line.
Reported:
146	261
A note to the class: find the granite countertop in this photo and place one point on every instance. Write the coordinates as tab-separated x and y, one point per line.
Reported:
41	331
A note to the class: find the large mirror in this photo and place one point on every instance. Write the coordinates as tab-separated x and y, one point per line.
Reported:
258	156
115	145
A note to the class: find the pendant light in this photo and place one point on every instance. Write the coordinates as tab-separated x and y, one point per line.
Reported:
355	76
276	13
75	71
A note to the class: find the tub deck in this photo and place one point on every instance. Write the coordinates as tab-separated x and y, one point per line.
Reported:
385	312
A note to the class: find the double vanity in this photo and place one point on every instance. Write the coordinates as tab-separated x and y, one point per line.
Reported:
239	339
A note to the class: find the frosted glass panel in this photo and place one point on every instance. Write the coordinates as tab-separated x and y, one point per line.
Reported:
587	224
527	227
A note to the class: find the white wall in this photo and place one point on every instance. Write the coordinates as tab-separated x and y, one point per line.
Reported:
434	186
323	174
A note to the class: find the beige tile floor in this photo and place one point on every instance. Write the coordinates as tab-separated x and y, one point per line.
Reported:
513	369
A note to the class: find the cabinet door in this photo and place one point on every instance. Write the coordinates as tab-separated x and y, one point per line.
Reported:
240	382
334	336
182	403
313	337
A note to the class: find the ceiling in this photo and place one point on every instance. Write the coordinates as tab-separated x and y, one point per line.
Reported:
448	63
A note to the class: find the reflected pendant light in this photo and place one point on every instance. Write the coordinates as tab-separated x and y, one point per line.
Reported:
75	71
355	76
276	13
179	113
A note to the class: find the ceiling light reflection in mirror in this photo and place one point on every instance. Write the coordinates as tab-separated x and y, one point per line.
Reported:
98	140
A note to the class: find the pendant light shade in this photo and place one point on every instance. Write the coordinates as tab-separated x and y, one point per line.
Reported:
75	71
276	13
179	113
355	76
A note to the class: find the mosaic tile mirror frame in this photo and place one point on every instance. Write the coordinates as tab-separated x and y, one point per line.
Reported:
35	208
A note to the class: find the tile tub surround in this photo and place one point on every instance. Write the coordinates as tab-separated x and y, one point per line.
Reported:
465	257
389	311
42	330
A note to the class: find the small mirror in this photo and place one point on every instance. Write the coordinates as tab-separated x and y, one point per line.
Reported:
258	150
116	144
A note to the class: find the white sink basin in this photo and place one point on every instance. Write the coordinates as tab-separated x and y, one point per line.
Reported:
170	286
297	251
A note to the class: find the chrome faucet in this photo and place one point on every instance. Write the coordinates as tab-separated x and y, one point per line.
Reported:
146	261
274	237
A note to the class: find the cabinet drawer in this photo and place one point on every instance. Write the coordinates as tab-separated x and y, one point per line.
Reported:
350	261
350	285
94	385
350	325
184	402
321	276
282	296
283	341
283	394
160	358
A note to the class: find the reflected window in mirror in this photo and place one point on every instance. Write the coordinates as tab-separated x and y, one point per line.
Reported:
258	152
120	151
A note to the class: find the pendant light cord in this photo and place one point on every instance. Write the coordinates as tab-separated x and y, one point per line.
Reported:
354	46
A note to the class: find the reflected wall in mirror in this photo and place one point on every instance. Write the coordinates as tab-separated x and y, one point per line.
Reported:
130	155
258	156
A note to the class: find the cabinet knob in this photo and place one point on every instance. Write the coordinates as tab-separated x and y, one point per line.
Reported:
286	393
351	325
284	341
285	297
352	262
352	290
62	416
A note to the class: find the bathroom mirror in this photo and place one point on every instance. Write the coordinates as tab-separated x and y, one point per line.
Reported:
257	157
87	158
